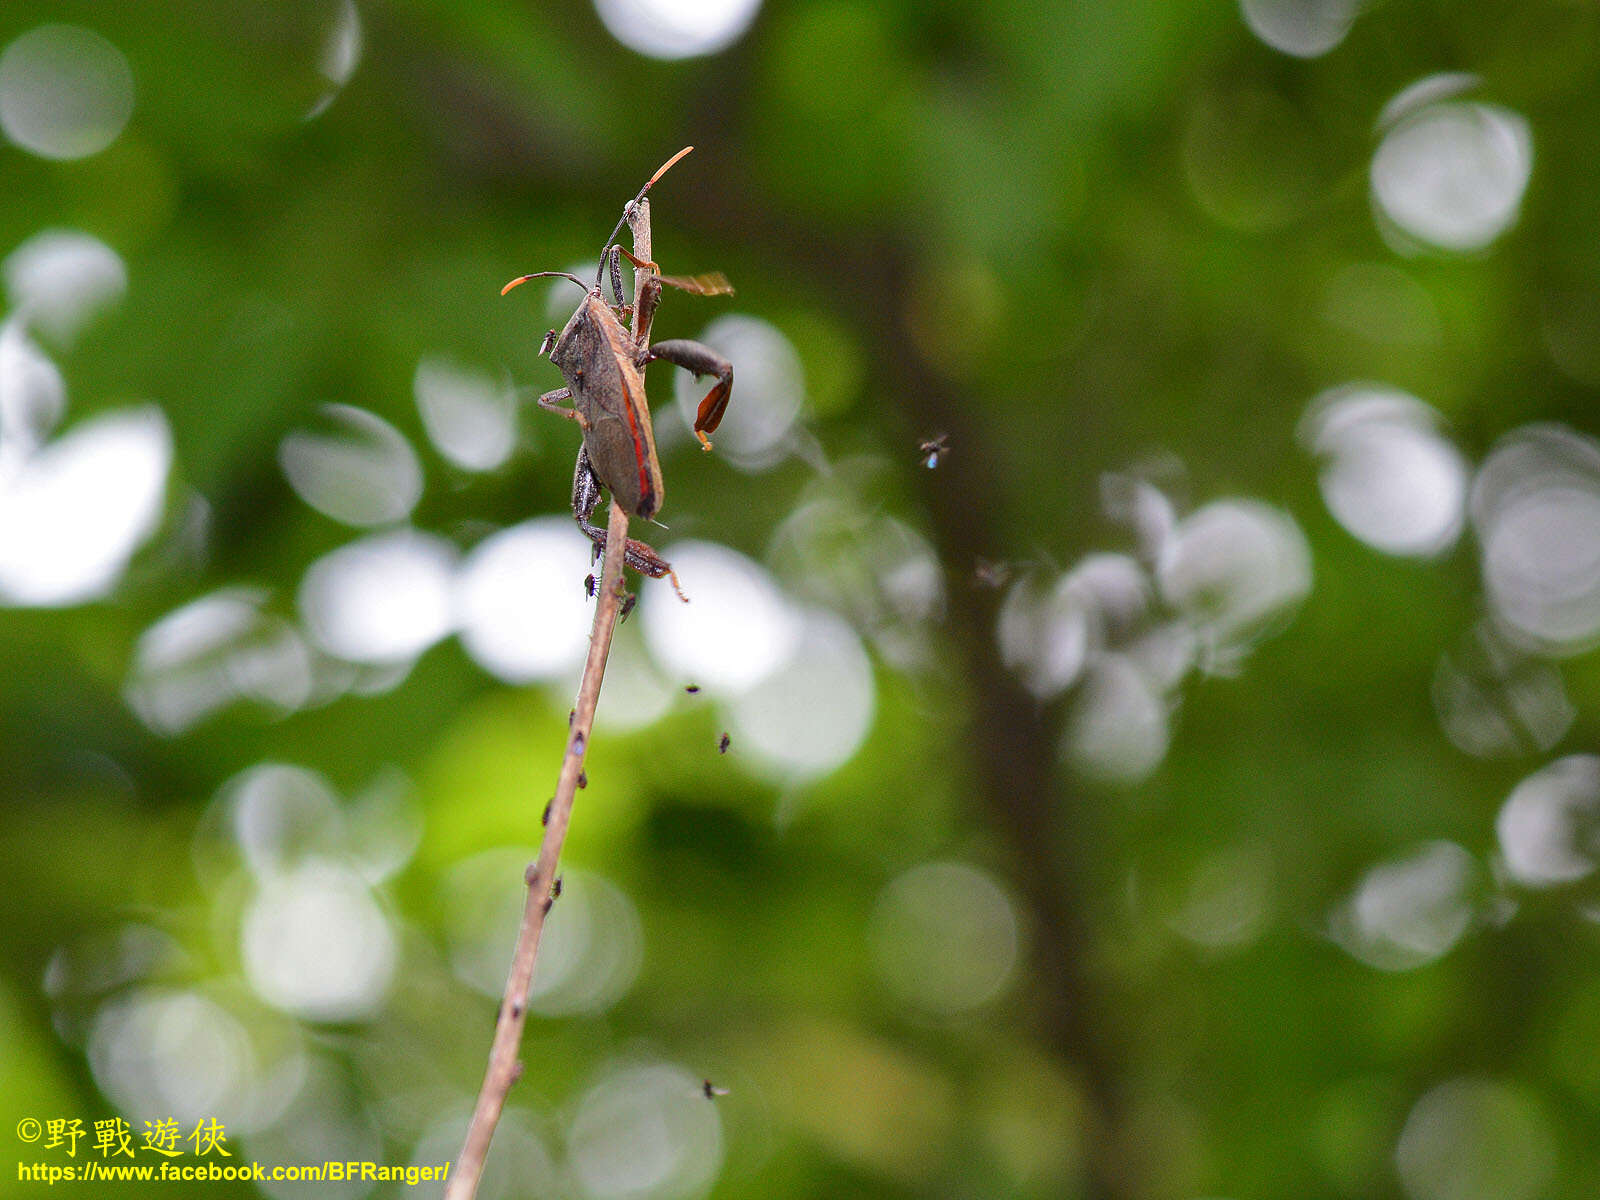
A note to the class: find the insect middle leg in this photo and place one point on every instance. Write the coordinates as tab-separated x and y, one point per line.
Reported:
550	402
642	558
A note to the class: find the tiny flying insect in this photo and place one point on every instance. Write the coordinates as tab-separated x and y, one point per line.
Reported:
931	450
986	574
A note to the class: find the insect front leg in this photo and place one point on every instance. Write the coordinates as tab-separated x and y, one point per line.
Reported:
645	304
702	360
614	264
642	558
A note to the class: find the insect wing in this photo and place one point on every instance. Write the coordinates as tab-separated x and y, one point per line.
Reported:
712	283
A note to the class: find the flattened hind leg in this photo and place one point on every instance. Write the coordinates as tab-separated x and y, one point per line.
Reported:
702	360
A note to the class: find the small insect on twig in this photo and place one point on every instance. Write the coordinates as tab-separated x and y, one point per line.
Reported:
603	366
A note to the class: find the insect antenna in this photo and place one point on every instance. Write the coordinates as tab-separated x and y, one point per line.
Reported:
628	208
521	279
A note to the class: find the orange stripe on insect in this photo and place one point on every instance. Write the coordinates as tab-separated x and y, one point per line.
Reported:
640	452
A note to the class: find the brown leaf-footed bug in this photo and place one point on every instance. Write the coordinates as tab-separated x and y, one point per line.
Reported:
603	365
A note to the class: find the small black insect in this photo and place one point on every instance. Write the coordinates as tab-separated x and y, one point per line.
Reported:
722	746
692	688
588	585
712	1091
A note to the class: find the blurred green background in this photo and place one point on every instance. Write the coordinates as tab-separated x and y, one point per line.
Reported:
1148	575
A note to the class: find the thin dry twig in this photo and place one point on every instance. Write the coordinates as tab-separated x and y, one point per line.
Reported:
504	1065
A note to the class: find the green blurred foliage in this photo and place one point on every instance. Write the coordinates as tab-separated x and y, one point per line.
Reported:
1076	237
